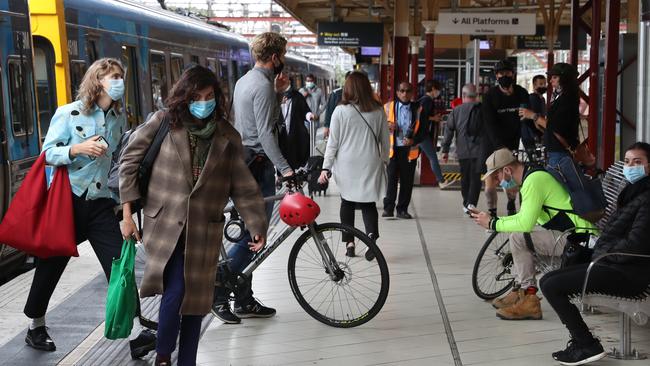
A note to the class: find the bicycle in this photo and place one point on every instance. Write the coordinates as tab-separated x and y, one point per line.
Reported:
334	289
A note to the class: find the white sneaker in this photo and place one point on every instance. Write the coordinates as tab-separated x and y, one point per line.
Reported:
446	183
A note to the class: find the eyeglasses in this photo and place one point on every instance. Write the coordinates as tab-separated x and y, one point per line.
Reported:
404	90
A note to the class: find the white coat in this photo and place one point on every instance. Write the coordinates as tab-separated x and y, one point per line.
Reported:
358	168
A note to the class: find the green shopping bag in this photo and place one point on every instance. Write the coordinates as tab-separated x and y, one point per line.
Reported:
122	296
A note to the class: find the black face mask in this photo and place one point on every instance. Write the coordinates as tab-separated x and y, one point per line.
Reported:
506	81
541	90
277	69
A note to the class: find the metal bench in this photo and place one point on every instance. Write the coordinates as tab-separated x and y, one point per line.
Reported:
635	308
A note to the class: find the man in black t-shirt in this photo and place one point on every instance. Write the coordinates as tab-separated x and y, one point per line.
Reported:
502	125
530	134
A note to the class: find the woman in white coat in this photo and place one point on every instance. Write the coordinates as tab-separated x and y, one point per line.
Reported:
357	154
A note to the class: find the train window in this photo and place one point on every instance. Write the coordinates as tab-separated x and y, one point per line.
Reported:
224	79
158	80
20	99
195	59
132	90
45	82
177	67
212	65
77	72
91	50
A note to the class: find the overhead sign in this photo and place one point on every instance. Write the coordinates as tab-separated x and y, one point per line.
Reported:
486	23
343	34
563	41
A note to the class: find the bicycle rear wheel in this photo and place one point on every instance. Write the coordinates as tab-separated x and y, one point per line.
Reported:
492	275
360	289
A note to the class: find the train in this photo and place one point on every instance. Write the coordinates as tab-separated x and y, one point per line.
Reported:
47	46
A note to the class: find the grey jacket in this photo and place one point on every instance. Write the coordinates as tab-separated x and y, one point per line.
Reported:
316	101
457	122
257	109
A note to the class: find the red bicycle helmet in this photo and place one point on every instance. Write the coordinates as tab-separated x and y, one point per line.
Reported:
298	210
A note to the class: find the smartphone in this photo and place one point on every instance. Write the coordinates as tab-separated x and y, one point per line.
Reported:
103	142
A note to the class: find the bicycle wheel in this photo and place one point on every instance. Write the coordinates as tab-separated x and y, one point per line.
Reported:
360	289
492	275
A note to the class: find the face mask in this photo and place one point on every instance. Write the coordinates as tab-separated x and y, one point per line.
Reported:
277	69
506	81
542	90
507	184
116	90
634	174
310	85
202	109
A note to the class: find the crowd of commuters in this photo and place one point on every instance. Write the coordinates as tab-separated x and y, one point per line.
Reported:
205	160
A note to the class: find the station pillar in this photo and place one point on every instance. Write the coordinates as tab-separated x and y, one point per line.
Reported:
384	71
610	92
643	98
400	44
415	64
429	28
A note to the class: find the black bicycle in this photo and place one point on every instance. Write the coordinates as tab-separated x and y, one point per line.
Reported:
334	289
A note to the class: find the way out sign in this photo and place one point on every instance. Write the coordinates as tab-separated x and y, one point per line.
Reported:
486	23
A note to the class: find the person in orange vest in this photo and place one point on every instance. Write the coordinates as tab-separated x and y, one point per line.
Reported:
404	124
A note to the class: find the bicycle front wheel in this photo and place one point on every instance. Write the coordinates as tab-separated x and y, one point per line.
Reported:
360	287
492	274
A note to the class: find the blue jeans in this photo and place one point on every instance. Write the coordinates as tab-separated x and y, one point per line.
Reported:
239	254
554	158
430	151
170	322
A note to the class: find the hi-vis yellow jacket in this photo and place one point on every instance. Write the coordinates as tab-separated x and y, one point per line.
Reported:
411	133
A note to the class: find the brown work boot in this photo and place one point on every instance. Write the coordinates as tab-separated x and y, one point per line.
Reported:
527	308
510	299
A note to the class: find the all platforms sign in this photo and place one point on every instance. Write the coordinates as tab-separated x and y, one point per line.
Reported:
344	34
486	23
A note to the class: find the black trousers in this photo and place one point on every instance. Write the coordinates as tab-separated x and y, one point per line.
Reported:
558	285
401	170
94	221
470	181
368	212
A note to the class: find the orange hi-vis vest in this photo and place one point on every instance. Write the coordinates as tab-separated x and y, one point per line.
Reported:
389	109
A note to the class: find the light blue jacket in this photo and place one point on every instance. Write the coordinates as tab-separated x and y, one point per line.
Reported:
71	126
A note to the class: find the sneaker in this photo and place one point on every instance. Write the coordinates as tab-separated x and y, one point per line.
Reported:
370	255
446	183
143	344
404	215
39	339
349	250
387	213
527	308
467	209
510	299
254	310
222	311
580	353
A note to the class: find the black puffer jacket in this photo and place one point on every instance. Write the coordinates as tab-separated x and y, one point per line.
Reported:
628	231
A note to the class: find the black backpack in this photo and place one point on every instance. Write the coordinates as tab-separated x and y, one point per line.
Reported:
144	170
475	123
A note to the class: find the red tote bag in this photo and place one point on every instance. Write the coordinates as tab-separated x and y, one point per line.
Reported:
40	221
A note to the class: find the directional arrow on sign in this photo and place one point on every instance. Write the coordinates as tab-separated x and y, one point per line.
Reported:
455	20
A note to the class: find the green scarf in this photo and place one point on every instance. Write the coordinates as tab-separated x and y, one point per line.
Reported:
200	141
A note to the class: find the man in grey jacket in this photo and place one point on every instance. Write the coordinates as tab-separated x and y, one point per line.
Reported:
315	97
256	105
467	147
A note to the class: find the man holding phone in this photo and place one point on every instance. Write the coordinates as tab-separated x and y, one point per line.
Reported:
430	116
544	202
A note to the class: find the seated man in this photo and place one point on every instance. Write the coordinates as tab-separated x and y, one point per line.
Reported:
543	201
626	232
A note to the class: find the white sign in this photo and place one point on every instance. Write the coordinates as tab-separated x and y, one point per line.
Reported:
486	23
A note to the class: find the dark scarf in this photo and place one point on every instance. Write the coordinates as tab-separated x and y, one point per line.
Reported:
632	191
200	141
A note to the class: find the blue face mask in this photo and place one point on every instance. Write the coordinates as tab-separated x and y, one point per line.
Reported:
116	90
508	184
202	109
634	174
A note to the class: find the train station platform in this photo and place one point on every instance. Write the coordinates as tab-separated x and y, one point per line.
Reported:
431	317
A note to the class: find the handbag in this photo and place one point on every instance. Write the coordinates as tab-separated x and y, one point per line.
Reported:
581	154
40	221
575	252
122	295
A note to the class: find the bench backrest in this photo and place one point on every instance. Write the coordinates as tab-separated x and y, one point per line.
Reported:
613	183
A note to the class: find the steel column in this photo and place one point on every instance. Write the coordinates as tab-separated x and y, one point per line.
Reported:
643	99
611	78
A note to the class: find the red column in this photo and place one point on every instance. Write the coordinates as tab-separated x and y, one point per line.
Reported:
428	57
576	12
401	61
613	14
415	56
594	90
383	82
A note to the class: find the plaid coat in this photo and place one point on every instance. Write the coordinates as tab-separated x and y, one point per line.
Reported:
173	205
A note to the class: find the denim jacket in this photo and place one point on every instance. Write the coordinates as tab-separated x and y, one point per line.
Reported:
71	126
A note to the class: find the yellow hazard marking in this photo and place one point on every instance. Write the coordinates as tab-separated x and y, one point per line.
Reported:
451	176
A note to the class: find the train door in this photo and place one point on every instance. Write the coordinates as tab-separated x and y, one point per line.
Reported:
177	65
45	82
132	88
158	73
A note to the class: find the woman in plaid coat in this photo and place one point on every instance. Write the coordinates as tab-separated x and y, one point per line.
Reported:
200	165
